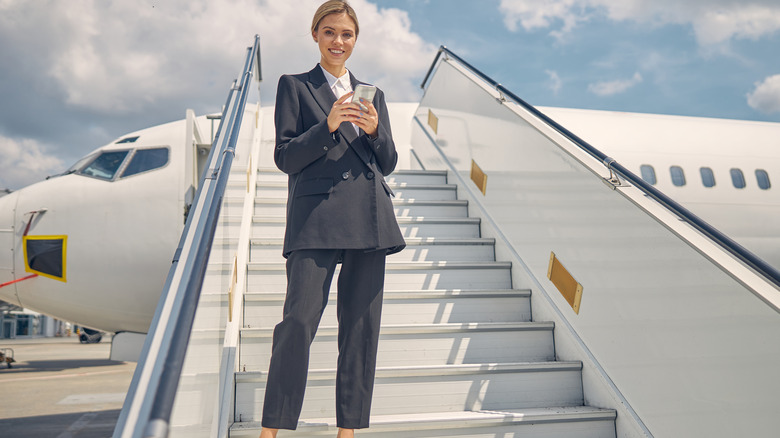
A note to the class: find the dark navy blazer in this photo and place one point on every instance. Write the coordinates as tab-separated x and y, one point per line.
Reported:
337	194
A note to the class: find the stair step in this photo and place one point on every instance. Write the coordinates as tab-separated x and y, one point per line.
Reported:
418	177
397	177
264	309
432	192
402	207
417	249
421	389
203	350
272	277
211	311
458	355
455	227
421	344
570	422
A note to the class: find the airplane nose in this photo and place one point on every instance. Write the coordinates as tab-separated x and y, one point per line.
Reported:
7	211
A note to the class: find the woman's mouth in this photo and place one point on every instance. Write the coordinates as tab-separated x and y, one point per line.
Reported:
336	51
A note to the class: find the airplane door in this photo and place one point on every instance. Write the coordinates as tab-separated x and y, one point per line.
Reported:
6	246
196	155
7	221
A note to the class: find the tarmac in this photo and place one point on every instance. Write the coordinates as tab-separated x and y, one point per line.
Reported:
60	388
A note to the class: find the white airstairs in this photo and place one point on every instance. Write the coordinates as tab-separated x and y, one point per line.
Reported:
459	355
673	337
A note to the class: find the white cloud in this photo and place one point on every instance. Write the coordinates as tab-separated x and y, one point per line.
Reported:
766	96
388	52
127	56
554	82
713	21
533	14
610	88
77	74
745	21
24	162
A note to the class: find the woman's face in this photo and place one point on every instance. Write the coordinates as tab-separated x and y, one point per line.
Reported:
336	38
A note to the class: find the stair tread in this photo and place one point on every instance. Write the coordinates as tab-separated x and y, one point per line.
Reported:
458	418
391	265
449	370
458	202
283	184
393	329
421	294
273	170
401	219
410	241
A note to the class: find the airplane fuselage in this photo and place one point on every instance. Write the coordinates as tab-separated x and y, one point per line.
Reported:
119	220
725	171
121	226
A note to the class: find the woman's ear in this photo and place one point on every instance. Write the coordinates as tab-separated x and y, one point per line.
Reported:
314	36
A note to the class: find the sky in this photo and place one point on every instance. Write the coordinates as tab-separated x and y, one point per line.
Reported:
77	74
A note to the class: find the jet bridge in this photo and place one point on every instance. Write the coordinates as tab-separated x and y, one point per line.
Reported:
545	290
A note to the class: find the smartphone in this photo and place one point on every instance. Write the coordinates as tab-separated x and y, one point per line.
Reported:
366	92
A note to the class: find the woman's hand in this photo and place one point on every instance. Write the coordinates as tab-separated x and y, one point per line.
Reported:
367	120
342	111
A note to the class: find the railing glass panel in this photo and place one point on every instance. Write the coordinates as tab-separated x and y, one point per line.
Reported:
670	317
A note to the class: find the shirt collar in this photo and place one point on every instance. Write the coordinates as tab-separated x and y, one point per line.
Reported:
343	80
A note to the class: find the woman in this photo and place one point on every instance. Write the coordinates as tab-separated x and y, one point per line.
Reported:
338	211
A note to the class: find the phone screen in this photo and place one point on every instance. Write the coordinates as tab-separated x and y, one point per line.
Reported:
366	92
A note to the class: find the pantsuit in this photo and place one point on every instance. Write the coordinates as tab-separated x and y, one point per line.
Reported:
339	210
359	308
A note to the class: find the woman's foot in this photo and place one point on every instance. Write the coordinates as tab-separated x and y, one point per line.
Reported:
346	433
268	433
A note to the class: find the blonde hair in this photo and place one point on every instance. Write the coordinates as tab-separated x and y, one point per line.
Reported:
334	7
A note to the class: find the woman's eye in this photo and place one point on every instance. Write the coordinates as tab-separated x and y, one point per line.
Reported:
329	32
346	36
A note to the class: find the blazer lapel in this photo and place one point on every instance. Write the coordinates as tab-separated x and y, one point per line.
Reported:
319	88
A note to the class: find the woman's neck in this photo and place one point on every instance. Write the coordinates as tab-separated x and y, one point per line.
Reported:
337	70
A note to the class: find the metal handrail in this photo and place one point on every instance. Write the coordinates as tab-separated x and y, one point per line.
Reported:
185	277
169	380
769	272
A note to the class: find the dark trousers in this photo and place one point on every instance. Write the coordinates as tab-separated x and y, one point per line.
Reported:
359	308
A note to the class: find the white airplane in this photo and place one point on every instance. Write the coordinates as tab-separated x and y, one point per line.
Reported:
725	171
94	245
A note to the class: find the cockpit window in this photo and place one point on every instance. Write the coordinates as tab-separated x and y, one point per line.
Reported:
146	159
105	165
80	163
128	140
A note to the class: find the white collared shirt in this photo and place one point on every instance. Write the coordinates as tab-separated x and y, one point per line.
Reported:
340	86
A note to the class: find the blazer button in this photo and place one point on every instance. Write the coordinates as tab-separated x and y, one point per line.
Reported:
345	175
324	148
370	175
